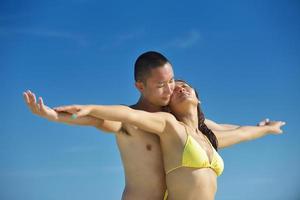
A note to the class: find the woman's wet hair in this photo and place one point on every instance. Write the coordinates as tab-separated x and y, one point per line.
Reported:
201	124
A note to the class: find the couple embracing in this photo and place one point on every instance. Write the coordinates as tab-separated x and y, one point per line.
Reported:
168	148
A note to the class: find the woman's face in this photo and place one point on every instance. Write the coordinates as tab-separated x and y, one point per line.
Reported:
182	95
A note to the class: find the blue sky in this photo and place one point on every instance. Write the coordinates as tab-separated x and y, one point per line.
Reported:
242	56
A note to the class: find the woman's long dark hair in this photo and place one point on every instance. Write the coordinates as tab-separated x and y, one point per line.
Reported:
201	125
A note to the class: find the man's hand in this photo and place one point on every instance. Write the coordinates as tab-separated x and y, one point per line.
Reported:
39	108
264	122
64	114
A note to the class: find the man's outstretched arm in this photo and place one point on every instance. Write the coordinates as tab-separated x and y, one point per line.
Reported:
46	112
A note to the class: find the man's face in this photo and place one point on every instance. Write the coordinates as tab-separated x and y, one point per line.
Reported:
159	85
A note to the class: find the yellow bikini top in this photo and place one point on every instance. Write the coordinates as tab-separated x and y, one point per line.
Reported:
194	156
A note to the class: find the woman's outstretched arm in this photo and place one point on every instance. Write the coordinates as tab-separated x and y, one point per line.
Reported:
247	133
40	109
219	127
214	126
150	122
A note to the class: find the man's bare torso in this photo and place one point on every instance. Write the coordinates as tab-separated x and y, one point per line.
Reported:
143	164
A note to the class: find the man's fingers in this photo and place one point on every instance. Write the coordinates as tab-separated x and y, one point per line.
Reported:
261	123
264	122
41	104
31	98
32	102
28	102
26	97
34	98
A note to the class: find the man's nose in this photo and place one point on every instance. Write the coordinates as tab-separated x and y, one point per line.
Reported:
169	89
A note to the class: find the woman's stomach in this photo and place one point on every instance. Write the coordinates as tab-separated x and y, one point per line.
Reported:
192	183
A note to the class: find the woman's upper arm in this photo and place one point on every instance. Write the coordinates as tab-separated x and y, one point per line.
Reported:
150	122
212	125
228	138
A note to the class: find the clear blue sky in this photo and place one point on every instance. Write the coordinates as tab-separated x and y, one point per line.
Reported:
242	56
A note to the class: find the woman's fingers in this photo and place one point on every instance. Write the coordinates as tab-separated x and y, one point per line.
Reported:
69	109
61	108
80	113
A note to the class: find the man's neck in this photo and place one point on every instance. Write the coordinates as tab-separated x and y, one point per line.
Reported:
144	104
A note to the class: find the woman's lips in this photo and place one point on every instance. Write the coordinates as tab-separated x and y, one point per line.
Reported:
184	94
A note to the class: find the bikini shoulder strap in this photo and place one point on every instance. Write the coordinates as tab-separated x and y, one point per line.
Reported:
185	128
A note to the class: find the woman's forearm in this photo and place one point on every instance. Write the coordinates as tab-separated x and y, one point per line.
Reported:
114	113
229	126
248	133
150	122
240	134
82	121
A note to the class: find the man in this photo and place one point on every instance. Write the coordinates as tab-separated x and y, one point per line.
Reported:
140	151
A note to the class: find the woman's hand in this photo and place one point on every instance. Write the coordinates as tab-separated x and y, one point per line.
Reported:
39	108
75	110
275	126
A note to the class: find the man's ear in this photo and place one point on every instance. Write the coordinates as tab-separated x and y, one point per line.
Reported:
140	86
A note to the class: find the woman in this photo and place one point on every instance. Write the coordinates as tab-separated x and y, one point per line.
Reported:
189	148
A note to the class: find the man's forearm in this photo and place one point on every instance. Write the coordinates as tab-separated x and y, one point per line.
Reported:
64	116
82	121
